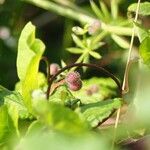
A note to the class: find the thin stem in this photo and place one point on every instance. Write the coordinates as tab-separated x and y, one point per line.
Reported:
62	10
125	31
115	128
79	16
86	65
125	86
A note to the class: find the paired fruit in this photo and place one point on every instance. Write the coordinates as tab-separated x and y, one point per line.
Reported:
73	81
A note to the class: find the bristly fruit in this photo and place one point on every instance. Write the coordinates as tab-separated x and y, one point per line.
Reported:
54	68
72	77
75	86
73	81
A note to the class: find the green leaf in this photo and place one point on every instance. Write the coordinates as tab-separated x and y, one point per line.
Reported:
120	41
7	96
96	39
96	10
15	106
143	10
75	50
7	128
105	10
86	59
106	89
114	8
78	41
145	51
34	128
97	45
63	64
58	141
63	96
95	113
95	54
142	32
59	118
30	51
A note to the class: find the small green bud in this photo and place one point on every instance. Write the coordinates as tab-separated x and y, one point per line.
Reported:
78	31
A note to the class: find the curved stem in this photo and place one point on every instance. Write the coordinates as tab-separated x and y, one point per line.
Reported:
86	65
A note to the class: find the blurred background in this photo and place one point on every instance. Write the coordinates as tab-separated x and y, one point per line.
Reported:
54	30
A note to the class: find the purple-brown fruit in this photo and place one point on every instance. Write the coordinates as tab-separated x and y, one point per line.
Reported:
75	86
54	68
72	77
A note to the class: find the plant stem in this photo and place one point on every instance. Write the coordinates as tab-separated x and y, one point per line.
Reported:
61	10
115	128
79	16
125	86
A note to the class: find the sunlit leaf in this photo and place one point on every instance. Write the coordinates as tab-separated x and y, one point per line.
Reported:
105	10
61	95
30	51
142	32
114	8
57	141
96	10
7	128
75	50
95	54
34	128
63	64
59	118
95	113
145	51
120	41
97	45
15	105
78	41
106	89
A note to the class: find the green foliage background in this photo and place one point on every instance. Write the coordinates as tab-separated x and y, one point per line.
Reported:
54	30
66	117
